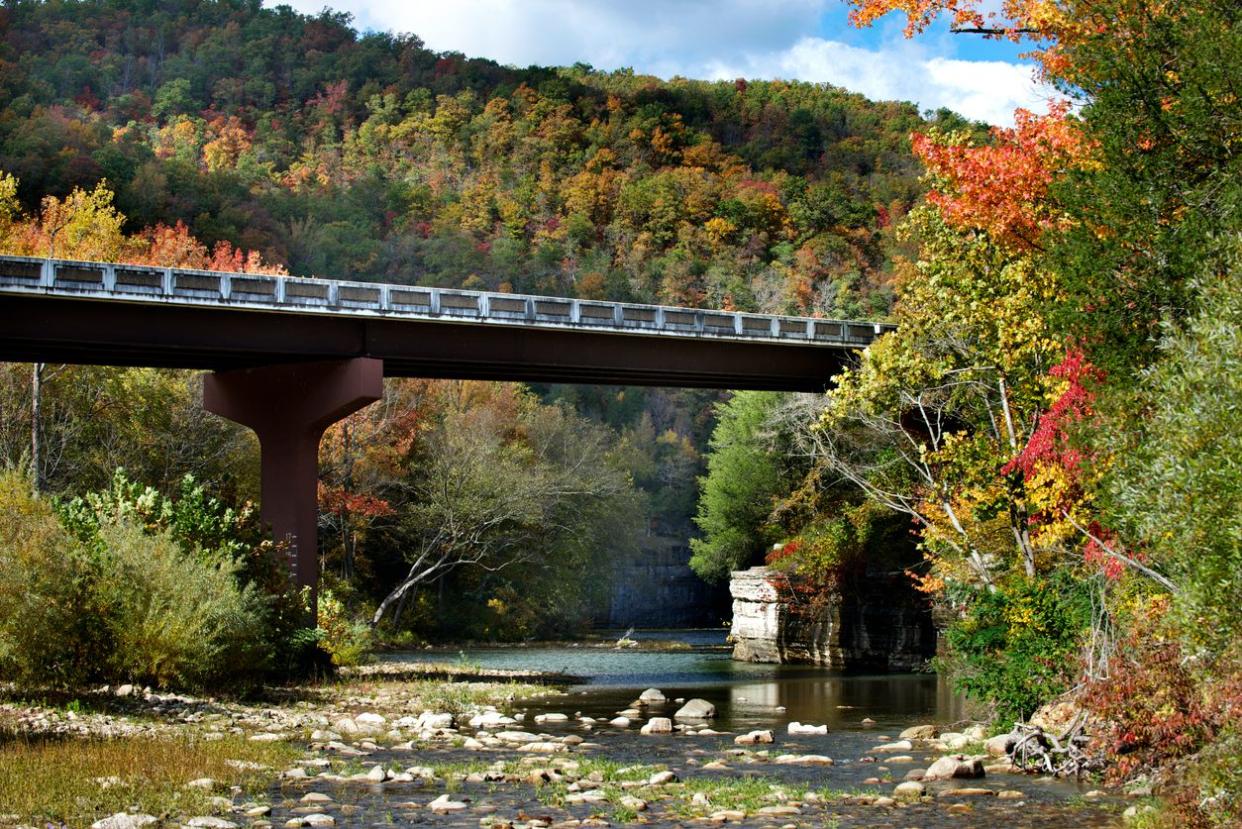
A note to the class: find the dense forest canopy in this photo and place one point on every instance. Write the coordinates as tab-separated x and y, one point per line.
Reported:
369	156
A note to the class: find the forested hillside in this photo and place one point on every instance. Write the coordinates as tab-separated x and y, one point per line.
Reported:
372	157
225	135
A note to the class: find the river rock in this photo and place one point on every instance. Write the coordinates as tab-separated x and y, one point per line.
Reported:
999	746
806	728
369	720
210	822
620	722
517	737
954	766
490	719
123	820
920	732
318	819
696	709
657	725
662	777
966	792
804	760
377	774
754	738
443	805
634	804
542	718
900	745
953	741
652	696
909	790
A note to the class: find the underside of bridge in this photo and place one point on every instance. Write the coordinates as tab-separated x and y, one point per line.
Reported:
288	376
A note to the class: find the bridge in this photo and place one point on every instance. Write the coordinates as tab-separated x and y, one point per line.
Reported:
289	356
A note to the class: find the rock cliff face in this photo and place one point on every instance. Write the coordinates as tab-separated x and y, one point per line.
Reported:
874	622
657	589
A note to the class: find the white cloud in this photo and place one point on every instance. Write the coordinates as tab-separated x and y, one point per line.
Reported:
984	90
705	39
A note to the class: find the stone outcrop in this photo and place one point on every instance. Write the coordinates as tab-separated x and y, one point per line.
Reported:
655	588
873	621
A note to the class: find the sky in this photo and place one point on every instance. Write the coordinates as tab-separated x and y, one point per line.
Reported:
808	40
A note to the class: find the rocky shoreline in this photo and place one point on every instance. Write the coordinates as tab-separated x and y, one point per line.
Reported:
368	750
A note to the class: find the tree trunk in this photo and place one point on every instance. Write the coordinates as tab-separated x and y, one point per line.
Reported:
36	406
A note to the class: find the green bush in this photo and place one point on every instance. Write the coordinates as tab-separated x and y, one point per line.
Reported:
175	619
126	603
49	626
1019	646
347	640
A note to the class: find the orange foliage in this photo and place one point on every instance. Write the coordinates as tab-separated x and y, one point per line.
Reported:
1002	187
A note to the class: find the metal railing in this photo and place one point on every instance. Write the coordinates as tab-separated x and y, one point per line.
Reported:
138	283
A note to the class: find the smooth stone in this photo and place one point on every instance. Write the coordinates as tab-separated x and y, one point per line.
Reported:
900	745
124	820
1010	794
662	777
657	725
443	804
210	822
920	732
620	722
318	819
909	790
804	760
954	766
966	792
696	709
316	797
754	737
999	745
806	728
652	696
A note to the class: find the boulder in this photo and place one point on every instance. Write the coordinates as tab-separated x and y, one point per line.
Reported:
1000	745
620	722
920	732
754	738
696	709
952	741
652	696
443	805
658	725
909	790
955	766
806	728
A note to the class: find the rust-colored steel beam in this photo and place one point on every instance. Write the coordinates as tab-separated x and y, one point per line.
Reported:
289	407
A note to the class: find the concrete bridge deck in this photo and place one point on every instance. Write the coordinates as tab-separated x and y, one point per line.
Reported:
110	313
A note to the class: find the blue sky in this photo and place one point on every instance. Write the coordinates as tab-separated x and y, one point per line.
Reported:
807	40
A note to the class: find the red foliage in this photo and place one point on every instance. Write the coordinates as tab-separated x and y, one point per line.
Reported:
1051	442
338	501
1159	707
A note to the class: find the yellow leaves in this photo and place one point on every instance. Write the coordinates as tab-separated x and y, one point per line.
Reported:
719	230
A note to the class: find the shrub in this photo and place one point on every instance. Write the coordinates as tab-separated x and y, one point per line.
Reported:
1019	646
347	640
176	619
123	604
49	626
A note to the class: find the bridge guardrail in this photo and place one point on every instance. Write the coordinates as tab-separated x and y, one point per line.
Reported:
120	281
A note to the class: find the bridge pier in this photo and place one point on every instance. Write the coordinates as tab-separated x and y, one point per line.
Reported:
289	407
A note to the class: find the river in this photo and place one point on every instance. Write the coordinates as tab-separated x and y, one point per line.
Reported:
752	696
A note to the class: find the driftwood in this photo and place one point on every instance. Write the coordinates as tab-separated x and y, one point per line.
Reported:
1038	751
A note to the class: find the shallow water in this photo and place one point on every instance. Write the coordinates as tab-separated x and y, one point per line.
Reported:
746	696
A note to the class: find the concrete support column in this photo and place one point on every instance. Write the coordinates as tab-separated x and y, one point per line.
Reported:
289	407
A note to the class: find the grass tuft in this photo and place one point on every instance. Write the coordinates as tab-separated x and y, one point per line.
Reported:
77	782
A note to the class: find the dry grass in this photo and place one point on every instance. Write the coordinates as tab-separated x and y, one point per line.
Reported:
75	782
